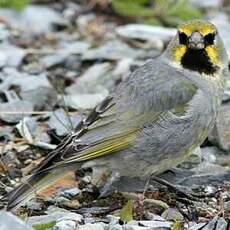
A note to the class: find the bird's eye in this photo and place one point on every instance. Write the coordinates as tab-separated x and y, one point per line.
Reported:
183	38
209	39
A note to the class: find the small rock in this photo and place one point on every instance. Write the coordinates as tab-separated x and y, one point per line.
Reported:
151	216
70	193
34	206
112	50
206	4
172	214
114	227
9	221
86	101
94	80
209	154
13	55
197	226
36	19
193	160
221	224
65	225
153	34
71	216
62	123
76	47
13	110
97	226
53	60
211	224
148	225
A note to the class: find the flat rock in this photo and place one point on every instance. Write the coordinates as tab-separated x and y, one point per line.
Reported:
36	19
62	123
153	34
13	111
13	55
112	50
96	226
9	221
172	214
32	88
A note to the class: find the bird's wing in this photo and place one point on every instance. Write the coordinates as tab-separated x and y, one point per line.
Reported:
115	123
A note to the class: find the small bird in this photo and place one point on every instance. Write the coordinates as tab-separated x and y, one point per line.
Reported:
152	122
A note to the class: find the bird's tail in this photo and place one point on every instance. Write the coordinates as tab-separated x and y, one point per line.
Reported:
34	185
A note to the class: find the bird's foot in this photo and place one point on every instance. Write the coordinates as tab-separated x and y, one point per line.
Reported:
183	194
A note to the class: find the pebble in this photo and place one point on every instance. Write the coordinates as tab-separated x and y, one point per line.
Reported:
153	34
69	193
172	214
112	50
9	221
65	225
96	226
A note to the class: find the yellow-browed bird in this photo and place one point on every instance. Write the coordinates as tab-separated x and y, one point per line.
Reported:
152	122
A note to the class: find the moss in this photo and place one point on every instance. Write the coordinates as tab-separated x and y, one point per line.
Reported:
15	4
45	226
166	12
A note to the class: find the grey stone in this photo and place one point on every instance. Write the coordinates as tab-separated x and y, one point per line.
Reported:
206	4
4	32
193	160
37	19
209	154
53	60
205	174
221	224
94	79
9	221
13	55
172	214
76	47
70	193
112	50
53	214
220	135
96	226
153	34
85	101
71	216
63	123
149	224
34	206
211	224
65	225
13	111
33	88
114	227
196	226
151	216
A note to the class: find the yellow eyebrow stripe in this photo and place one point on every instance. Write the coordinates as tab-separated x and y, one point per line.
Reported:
204	29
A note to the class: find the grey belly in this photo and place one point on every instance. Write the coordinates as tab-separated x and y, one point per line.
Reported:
159	147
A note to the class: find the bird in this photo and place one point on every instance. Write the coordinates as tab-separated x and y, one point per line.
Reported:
155	118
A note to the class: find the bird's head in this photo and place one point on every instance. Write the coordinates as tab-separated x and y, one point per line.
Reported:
197	46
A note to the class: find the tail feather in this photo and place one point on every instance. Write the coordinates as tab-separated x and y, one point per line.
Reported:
34	185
